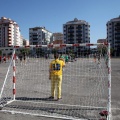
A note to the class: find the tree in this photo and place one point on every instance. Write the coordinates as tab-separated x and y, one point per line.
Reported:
40	52
54	51
102	49
25	50
112	51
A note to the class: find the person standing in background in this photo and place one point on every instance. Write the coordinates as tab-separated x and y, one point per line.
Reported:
55	75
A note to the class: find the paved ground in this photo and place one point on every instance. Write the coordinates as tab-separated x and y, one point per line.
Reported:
115	90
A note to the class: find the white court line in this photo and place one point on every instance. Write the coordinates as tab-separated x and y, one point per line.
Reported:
69	105
64	75
10	101
41	115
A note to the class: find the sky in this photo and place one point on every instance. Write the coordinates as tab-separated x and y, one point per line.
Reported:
52	14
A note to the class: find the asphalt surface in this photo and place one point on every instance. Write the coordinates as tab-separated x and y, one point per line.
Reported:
23	89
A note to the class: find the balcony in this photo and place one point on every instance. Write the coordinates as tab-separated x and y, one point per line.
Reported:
9	38
117	42
78	38
79	27
117	24
9	45
9	34
117	35
34	37
9	29
78	31
78	35
34	40
34	33
35	43
70	31
117	38
117	28
70	27
70	39
71	35
70	42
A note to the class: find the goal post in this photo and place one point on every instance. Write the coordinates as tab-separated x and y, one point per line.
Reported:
86	83
4	98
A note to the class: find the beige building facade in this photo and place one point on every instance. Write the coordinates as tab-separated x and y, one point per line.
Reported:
9	33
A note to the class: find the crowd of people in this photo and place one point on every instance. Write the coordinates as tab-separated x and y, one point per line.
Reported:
20	57
66	57
4	58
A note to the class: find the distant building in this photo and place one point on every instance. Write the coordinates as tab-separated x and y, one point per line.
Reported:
101	41
58	39
60	49
58	36
9	33
113	34
39	35
57	42
21	40
25	42
77	31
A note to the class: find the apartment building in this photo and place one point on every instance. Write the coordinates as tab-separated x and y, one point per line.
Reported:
77	31
39	35
101	41
113	34
9	33
58	36
25	42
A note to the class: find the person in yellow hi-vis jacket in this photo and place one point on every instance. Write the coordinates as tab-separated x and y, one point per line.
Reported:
55	75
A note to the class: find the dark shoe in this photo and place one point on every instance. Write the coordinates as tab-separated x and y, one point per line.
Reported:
51	97
59	99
